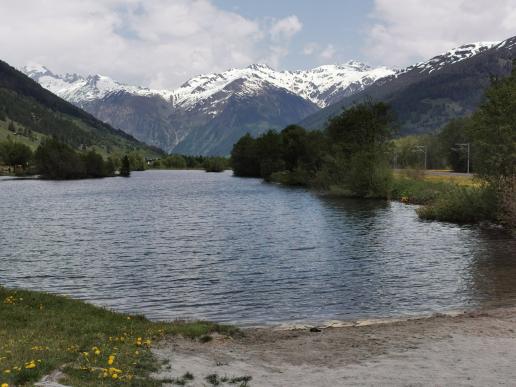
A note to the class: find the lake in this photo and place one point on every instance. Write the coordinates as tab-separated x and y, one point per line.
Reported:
190	244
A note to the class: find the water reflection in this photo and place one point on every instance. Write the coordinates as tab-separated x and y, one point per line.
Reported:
174	244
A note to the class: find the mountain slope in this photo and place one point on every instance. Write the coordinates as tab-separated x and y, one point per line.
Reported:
36	109
428	95
206	112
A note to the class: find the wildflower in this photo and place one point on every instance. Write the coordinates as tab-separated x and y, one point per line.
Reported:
5	385
97	352
114	376
31	364
111	359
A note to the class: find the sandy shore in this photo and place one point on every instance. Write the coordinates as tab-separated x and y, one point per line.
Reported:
471	349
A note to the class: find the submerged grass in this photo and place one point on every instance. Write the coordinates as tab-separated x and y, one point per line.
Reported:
92	346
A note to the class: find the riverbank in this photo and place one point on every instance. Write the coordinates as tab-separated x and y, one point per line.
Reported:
79	344
470	349
53	339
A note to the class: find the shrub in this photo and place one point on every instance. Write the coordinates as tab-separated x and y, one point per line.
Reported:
463	205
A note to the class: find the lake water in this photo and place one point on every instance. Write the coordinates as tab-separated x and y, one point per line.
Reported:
189	244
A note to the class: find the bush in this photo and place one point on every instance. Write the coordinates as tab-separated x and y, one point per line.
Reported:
215	164
463	205
369	176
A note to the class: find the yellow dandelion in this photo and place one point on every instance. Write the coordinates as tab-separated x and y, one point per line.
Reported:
111	359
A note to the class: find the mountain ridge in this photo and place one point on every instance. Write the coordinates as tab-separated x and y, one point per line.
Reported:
427	95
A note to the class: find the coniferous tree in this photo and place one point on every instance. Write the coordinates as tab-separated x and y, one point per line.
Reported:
125	169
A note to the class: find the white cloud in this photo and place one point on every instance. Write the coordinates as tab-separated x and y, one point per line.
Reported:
157	43
406	31
328	53
310	48
286	28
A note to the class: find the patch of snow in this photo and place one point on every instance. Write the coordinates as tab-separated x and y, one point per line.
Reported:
317	85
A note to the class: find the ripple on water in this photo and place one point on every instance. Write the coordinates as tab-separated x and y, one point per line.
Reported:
187	244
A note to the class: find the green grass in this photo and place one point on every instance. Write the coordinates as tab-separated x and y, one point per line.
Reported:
462	205
40	333
418	191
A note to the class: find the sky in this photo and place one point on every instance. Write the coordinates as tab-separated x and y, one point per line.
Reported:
162	43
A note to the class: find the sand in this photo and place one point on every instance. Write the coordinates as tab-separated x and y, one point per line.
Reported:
469	349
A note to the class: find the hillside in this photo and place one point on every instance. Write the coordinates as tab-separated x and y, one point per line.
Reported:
428	95
36	113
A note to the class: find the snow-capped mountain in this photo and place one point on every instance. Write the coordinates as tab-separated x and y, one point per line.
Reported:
76	88
320	85
176	120
209	112
452	56
427	95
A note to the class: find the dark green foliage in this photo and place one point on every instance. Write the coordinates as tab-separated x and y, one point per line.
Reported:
95	166
14	154
245	158
174	162
454	133
125	169
367	125
351	153
55	160
493	130
216	164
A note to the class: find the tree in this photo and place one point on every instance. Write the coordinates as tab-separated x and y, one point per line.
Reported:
360	145
95	166
493	131
55	160
125	169
245	158
455	132
364	126
14	154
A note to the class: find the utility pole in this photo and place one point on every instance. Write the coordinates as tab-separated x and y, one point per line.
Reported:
422	148
468	149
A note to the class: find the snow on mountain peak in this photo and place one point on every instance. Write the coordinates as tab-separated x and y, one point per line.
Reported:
452	56
320	85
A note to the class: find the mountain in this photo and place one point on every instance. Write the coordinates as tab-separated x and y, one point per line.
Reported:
36	112
208	113
427	95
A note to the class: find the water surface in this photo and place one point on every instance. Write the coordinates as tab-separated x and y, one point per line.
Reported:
188	244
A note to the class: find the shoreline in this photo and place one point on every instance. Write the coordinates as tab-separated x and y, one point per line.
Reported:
474	348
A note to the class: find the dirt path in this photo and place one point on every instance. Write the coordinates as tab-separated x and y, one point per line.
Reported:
473	349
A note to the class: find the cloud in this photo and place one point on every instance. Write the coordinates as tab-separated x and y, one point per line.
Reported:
406	31
286	28
158	43
310	48
328	53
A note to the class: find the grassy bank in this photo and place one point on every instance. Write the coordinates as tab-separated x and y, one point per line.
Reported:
41	333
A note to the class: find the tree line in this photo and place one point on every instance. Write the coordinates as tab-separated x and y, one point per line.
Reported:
351	153
208	163
56	160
